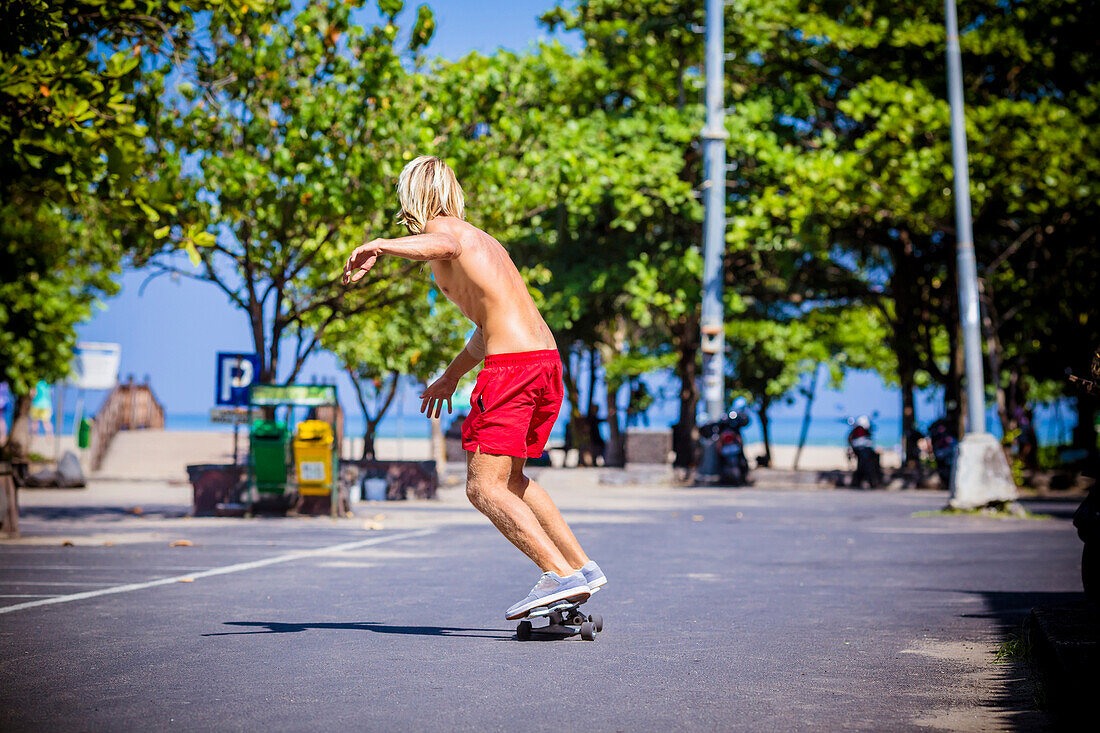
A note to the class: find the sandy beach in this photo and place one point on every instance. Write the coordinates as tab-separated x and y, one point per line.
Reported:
159	455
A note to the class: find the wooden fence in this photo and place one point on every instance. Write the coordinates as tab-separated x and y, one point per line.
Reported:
129	407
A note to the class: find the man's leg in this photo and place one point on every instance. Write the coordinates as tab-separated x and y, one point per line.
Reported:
544	509
488	490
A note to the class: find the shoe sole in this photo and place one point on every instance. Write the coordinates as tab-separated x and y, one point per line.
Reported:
595	585
543	611
572	594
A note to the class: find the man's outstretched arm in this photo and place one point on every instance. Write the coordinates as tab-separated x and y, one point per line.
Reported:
440	390
423	247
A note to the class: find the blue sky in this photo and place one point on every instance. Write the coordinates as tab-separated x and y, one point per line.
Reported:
484	25
172	329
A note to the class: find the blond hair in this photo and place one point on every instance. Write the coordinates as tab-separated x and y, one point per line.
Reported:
427	188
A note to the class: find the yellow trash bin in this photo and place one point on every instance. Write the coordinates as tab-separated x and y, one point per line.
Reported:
313	457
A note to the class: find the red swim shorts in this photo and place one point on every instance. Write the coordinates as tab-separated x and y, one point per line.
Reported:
514	404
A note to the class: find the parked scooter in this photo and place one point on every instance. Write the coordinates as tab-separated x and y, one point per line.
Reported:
861	442
722	449
943	440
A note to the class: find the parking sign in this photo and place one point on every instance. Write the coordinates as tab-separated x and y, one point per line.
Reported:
236	372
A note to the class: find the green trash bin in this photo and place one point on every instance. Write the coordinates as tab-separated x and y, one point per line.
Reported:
84	433
268	442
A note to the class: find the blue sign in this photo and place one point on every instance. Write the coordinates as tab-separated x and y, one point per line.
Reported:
236	372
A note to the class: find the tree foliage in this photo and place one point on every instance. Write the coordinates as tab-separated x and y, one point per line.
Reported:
266	151
78	82
283	164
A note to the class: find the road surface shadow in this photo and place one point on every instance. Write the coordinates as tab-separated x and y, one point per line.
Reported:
1009	609
1020	695
103	513
279	627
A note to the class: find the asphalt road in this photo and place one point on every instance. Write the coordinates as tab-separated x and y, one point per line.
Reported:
744	609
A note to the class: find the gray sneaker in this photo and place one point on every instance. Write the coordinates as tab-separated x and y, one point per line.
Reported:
551	587
593	575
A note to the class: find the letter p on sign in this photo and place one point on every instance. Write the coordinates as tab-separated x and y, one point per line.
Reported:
235	374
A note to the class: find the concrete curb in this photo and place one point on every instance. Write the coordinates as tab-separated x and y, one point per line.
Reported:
1065	643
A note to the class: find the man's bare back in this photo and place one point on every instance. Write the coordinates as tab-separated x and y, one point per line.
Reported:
475	273
486	286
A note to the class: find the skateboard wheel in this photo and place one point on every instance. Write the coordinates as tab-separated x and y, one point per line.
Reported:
523	631
588	631
597	621
555	618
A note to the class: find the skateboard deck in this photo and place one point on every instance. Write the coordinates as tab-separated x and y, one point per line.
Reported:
564	619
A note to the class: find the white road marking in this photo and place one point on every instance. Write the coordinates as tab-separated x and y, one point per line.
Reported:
346	546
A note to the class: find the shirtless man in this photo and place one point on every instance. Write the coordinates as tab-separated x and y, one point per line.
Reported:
518	393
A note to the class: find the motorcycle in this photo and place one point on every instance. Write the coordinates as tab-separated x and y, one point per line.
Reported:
942	438
861	444
722	449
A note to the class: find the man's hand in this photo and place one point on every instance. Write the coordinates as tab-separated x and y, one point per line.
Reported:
361	261
436	393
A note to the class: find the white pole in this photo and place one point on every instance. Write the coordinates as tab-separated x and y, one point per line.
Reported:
981	475
713	341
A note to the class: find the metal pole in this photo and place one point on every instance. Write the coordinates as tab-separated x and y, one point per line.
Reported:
714	223
967	267
980	475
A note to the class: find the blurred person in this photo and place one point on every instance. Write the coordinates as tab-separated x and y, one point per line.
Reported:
42	408
519	389
640	402
943	439
5	403
1027	442
862	444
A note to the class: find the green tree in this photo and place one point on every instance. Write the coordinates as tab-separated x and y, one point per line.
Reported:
840	164
772	352
857	140
280	169
78	82
579	186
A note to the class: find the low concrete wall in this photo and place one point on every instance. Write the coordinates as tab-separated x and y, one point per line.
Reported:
649	446
418	479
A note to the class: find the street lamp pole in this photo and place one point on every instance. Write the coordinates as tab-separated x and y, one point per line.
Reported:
967	266
714	223
981	475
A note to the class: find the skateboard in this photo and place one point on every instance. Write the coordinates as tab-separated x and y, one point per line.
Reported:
564	619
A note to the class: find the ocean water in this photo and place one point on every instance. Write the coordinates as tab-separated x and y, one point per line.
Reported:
823	431
828	427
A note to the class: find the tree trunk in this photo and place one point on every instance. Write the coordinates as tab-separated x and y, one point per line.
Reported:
687	369
577	435
615	455
959	365
909	441
372	421
19	439
953	384
904	337
954	394
810	394
439	449
765	428
592	413
993	345
592	410
368	440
